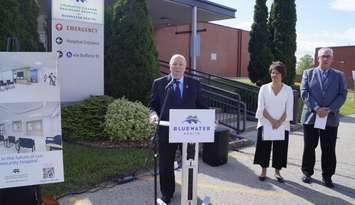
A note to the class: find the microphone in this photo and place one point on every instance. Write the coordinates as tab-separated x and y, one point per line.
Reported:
170	83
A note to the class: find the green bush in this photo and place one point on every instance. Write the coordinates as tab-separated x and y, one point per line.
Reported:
127	121
85	120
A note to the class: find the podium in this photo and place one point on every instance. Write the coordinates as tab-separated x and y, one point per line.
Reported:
190	127
189	173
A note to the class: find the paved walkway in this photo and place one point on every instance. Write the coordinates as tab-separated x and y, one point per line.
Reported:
236	182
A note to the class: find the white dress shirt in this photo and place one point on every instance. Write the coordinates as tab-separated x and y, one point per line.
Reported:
275	105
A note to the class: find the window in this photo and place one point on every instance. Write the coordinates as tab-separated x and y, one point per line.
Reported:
20	75
2	129
34	76
34	128
17	126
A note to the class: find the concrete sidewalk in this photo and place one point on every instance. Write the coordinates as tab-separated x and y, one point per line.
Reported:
237	183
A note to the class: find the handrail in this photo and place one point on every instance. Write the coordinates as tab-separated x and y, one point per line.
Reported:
211	87
228	108
166	64
231	110
246	92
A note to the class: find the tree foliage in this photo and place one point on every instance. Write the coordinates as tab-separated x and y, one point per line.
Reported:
282	24
131	62
260	53
19	20
304	62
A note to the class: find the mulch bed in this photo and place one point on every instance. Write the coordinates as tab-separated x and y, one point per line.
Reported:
116	144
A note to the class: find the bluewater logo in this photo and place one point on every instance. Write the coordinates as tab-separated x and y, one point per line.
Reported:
191	119
192	125
16	171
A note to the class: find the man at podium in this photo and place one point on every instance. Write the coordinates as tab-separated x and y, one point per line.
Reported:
181	92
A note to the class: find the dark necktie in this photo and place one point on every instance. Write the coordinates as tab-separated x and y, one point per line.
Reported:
324	76
177	91
324	80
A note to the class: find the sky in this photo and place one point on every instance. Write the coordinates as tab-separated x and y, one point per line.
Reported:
320	23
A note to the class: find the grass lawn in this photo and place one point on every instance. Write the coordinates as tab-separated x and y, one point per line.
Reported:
87	166
349	105
243	80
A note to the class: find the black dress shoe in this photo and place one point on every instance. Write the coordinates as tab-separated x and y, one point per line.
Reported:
166	199
328	183
262	178
306	179
279	178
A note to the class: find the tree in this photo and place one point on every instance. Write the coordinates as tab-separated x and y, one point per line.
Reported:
107	42
19	19
29	37
260	53
282	24
303	63
133	57
9	16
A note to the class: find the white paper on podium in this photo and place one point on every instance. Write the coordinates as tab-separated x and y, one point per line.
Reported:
163	123
320	122
273	134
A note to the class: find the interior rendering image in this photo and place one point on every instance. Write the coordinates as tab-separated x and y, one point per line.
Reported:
33	77
25	76
30	127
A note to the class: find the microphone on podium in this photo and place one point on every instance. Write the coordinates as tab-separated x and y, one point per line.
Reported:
171	83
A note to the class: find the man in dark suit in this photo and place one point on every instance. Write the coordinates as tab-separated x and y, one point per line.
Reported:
182	93
323	90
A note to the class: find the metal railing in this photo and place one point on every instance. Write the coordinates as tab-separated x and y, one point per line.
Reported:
231	111
247	93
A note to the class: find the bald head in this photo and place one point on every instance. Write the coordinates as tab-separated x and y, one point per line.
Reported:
177	66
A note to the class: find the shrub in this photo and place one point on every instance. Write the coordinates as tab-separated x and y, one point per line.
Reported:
85	120
127	121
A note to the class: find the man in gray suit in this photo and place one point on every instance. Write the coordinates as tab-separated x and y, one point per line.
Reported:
323	90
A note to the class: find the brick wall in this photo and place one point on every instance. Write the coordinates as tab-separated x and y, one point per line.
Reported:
344	60
224	50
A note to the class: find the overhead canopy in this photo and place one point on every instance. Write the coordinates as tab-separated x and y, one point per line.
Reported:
179	12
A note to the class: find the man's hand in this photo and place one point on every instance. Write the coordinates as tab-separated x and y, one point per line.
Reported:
153	118
323	111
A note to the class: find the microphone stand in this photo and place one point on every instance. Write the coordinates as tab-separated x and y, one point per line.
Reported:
156	138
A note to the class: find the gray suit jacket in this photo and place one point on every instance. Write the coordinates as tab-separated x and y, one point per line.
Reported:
332	94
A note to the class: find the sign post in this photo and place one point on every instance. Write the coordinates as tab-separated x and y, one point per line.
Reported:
78	40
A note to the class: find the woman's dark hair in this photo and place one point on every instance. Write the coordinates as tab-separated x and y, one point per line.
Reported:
279	66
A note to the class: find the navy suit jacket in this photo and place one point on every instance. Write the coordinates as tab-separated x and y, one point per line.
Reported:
331	93
191	99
